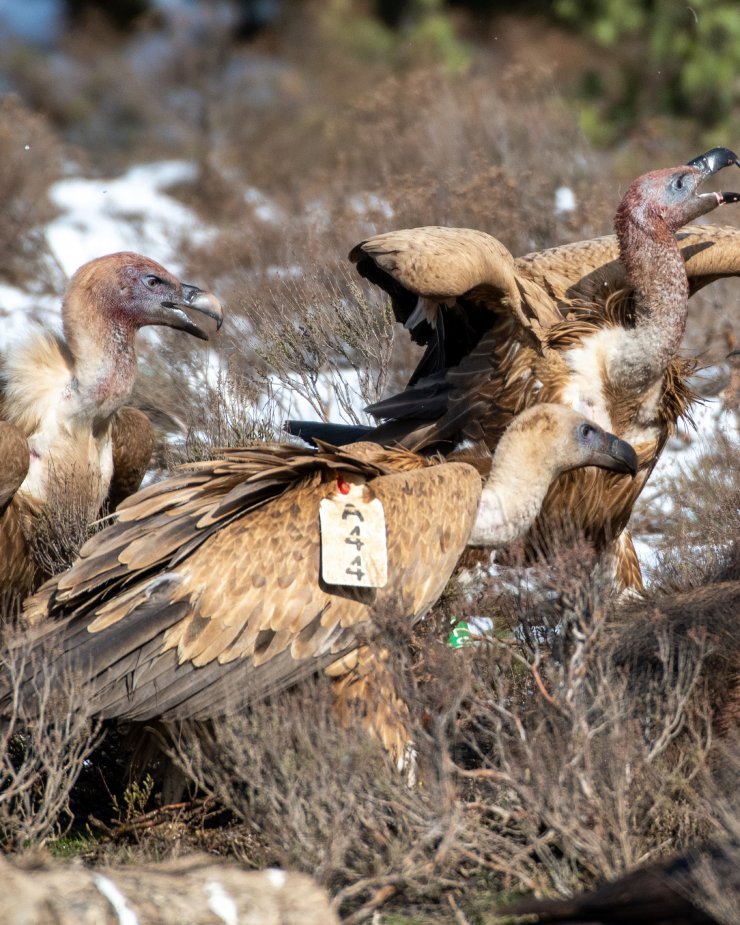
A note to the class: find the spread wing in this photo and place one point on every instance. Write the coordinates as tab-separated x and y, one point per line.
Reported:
132	435
590	271
207	593
474	398
447	286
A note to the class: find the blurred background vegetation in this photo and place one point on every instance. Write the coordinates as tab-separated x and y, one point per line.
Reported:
620	63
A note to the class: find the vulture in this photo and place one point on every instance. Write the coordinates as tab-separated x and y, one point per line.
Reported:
699	887
236	577
66	437
595	325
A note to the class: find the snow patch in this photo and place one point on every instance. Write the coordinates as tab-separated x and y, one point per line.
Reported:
276	876
126	915
221	904
130	212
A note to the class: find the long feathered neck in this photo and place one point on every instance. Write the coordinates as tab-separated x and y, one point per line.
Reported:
655	270
523	467
101	343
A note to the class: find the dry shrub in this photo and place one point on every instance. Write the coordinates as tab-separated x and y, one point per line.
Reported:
59	527
314	797
234	411
323	340
30	155
695	515
592	746
46	737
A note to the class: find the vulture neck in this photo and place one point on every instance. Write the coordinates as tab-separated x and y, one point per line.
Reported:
104	359
656	271
523	467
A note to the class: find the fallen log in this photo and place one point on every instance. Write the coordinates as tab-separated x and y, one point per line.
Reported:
195	890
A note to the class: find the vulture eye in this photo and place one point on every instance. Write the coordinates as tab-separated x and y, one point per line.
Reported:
153	281
586	430
678	182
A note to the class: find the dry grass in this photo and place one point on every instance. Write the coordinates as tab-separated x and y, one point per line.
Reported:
30	155
45	740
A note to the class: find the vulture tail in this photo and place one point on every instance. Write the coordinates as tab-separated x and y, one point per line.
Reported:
336	434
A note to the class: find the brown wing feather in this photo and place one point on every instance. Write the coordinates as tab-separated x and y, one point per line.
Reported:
441	263
15	458
505	372
245	612
17	568
591	270
132	435
467	276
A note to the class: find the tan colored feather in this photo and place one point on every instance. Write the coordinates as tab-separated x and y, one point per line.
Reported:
250	585
571	297
194	606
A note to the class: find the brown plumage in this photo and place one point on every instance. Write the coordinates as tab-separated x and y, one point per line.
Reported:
595	325
706	612
207	591
700	887
63	398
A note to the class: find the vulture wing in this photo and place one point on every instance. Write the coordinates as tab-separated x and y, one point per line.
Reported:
207	593
589	271
132	436
15	459
447	285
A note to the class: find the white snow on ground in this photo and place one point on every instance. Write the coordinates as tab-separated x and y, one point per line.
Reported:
335	394
680	456
565	200
97	217
129	212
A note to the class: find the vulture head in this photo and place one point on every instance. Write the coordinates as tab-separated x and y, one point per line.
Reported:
540	444
565	440
671	196
124	292
107	301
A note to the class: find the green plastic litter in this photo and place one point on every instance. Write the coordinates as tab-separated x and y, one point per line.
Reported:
460	636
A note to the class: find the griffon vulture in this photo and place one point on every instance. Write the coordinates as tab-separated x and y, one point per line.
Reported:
595	325
66	435
237	577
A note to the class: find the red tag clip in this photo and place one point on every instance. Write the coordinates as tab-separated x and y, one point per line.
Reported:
342	486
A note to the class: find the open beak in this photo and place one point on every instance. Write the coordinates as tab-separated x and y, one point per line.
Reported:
199	301
710	163
617	456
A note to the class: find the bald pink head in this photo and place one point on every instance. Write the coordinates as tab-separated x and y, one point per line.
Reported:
670	197
122	292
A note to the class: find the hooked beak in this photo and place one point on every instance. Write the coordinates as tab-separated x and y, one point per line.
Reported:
198	300
713	161
617	456
710	163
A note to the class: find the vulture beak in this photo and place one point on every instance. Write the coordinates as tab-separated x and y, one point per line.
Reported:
712	162
196	299
618	456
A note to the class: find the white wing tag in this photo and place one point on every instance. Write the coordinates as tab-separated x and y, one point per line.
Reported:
353	544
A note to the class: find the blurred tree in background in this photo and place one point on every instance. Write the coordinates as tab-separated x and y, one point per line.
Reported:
664	58
674	58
